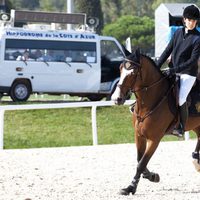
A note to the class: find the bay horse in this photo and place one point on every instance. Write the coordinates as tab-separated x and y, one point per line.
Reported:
152	116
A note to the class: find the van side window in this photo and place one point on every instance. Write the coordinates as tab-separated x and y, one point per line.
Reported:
50	51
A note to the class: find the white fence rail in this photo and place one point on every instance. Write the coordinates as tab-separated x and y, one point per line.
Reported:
94	105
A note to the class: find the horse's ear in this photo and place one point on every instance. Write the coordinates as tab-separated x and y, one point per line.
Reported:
127	53
137	53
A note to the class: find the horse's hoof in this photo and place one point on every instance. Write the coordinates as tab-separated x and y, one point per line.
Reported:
128	190
196	165
153	177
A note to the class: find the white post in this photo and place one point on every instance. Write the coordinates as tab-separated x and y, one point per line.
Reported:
1	127
94	125
69	10
187	135
128	44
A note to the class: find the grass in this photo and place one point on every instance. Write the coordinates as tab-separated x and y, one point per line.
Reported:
68	127
47	128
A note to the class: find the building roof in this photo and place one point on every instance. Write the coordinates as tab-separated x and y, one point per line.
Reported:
176	9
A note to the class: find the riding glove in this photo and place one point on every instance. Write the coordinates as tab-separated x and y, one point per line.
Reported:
171	71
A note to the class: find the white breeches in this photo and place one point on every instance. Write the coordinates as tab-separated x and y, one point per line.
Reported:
186	83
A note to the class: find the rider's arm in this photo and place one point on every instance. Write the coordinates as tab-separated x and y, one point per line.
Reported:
166	53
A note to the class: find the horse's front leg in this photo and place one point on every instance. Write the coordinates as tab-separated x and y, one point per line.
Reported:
142	167
141	147
141	143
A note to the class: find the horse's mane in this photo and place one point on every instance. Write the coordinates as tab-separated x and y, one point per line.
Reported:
136	58
153	63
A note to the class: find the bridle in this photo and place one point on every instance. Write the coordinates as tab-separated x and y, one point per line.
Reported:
132	65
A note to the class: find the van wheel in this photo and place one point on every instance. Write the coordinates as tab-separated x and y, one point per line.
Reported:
95	97
20	90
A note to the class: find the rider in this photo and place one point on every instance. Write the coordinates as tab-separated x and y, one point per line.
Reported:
184	52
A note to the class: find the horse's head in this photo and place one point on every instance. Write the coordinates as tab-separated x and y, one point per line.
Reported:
129	70
136	72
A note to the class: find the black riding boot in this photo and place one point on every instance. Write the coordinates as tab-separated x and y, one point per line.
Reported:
183	110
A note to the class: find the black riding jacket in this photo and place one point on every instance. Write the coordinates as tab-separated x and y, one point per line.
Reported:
184	50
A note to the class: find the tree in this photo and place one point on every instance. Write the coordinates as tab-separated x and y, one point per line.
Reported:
25	4
111	10
93	9
16	4
53	5
114	9
156	3
31	5
6	6
140	29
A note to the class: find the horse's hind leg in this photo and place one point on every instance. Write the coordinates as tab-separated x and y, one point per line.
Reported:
196	153
141	167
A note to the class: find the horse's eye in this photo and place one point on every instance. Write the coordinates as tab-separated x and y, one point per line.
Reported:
127	65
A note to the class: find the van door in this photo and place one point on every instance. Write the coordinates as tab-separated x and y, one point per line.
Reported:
85	65
85	79
111	58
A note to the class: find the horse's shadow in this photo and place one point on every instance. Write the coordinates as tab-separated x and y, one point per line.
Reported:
182	190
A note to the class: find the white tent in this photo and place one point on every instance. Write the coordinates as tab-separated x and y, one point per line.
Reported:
168	17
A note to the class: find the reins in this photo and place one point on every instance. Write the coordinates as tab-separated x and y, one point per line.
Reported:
141	119
147	87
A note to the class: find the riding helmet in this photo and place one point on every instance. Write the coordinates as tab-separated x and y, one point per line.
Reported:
191	12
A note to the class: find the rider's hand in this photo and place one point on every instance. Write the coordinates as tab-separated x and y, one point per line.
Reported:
170	71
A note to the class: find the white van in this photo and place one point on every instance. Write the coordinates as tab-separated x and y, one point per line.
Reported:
78	63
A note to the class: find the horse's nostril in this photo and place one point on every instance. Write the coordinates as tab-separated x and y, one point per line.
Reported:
119	99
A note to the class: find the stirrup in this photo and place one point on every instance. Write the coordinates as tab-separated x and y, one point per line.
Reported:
179	132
